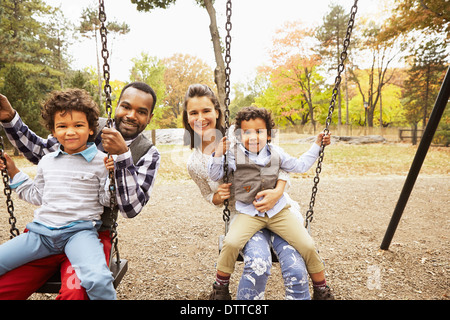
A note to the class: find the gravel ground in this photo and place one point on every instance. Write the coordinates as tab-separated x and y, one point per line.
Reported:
172	245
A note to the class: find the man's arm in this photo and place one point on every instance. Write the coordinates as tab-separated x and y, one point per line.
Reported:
26	141
6	110
135	182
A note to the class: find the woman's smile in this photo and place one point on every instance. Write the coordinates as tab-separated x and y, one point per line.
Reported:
202	125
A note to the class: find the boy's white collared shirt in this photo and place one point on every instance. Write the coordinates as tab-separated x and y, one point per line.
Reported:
288	163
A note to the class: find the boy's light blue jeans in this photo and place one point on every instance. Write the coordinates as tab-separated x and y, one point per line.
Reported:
258	262
79	242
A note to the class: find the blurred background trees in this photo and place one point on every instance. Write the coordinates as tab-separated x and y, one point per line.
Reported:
395	65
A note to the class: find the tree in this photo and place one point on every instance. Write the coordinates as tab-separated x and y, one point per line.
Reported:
294	69
409	15
20	30
82	80
393	113
219	71
381	55
90	28
57	35
26	42
286	114
425	76
151	70
331	35
182	70
246	93
23	98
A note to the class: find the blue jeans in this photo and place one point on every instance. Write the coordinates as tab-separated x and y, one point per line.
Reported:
258	262
79	242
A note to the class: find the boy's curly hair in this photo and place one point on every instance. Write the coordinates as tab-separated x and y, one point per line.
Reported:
252	113
66	101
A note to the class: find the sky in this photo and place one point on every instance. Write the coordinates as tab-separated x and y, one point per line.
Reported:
184	28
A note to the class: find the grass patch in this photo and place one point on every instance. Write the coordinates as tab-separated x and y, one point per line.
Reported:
341	160
375	159
173	163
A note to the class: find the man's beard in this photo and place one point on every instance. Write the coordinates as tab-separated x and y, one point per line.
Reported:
127	132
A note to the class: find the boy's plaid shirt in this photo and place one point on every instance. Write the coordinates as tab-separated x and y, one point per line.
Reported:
134	183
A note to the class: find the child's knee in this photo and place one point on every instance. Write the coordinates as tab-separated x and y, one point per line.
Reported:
232	244
98	282
310	246
307	248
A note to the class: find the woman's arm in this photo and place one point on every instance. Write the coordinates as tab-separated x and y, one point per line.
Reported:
201	183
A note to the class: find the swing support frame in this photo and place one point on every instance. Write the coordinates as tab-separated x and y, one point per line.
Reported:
422	150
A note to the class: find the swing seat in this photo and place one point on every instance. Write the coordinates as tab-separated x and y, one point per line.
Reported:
241	255
118	270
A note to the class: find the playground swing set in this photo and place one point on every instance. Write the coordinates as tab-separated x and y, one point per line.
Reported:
119	266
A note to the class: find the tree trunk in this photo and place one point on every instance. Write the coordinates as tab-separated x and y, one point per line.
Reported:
427	92
370	112
339	89
60	67
381	109
347	115
99	76
311	115
219	71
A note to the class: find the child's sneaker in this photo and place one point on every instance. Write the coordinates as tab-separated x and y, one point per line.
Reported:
323	294
220	293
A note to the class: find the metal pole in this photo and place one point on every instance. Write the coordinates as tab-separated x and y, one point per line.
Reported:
433	122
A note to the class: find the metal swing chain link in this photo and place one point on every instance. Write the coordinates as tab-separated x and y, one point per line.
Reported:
337	82
105	55
109	123
226	211
7	191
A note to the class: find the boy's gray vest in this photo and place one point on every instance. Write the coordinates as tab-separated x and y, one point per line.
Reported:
251	178
138	148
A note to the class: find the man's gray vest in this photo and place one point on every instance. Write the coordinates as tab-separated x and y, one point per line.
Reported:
139	147
251	178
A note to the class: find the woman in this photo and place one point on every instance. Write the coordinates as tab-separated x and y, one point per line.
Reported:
203	118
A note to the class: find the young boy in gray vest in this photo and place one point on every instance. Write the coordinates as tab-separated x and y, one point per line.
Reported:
255	163
71	187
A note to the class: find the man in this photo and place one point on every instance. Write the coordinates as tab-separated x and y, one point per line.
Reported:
136	165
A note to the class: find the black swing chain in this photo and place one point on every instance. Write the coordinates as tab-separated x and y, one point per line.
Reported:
337	82
7	191
107	90
226	211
